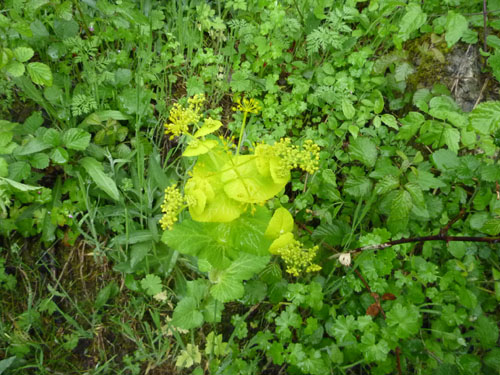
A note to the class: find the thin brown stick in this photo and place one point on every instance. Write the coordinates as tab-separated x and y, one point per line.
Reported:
446	228
481	93
398	360
375	296
436	237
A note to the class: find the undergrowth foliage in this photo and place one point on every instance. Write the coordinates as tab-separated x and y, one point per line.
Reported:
249	187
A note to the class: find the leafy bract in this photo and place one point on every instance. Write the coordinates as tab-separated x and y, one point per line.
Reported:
243	182
281	222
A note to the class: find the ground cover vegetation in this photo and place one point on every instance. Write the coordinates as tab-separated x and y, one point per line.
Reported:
248	187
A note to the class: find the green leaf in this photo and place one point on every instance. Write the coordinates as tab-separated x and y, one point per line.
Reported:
151	284
404	320
66	28
457	249
492	359
401	205
386	184
15	69
39	161
19	186
32	147
445	160
96	173
59	155
456	26
486	331
280	223
451	138
40	73
348	109
76	139
373	351
364	150
413	19
188	357
186	314
4	167
416	193
485	118
23	54
491	227
390	121
358	186
426	180
228	283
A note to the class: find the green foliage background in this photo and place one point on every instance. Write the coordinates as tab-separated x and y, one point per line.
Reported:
86	282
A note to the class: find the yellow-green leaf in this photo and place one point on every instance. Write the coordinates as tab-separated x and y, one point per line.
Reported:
280	223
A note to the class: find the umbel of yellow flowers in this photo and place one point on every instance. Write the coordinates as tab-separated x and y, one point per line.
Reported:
223	184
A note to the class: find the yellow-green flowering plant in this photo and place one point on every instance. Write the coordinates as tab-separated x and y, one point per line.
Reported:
230	230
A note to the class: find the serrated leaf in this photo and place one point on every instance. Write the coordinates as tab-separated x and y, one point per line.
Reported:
491	227
23	54
358	186
76	139
416	194
456	26
151	284
103	181
364	150
33	146
348	109
386	184
445	160
390	121
40	73
404	320
186	314
228	283
401	205
451	138
39	161
413	19
485	118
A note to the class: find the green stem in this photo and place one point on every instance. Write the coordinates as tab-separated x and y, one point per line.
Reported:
242	131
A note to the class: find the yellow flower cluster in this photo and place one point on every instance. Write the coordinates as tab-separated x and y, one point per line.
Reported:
171	206
248	106
298	259
180	118
292	156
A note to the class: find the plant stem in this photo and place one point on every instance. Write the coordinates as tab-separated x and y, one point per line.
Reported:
242	131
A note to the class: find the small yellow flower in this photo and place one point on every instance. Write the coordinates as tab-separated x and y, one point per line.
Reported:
298	259
171	206
180	118
248	106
